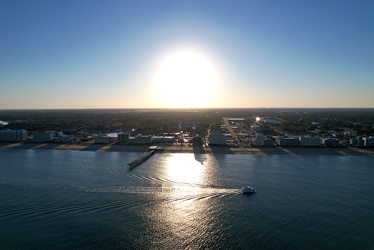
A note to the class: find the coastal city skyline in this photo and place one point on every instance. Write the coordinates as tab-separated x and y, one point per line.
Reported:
201	124
196	54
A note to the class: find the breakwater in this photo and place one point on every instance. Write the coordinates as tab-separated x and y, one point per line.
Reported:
141	159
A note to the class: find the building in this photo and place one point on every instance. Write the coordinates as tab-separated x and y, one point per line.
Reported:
287	142
163	139
369	141
310	141
13	135
268	142
43	137
103	139
132	140
270	121
258	141
331	142
63	138
123	137
217	139
235	119
143	139
357	142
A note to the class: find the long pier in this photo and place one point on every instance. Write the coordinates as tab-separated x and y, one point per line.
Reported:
141	159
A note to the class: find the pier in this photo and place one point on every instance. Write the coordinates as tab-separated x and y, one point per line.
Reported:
141	159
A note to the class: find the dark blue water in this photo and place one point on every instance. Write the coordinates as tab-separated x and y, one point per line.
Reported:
87	200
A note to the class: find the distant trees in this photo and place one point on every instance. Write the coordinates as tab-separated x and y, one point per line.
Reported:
156	122
101	121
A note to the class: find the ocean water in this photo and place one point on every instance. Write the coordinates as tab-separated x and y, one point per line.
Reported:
54	199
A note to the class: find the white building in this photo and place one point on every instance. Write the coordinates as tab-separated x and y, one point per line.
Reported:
13	135
103	139
217	139
43	137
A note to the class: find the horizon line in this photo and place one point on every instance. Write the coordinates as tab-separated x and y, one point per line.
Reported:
190	108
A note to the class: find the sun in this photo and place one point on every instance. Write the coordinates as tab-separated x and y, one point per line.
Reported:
185	78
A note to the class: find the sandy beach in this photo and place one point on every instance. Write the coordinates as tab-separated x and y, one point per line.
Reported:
187	149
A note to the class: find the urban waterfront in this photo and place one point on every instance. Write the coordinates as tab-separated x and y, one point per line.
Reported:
81	199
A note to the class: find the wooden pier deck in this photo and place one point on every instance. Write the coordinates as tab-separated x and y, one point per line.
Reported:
141	159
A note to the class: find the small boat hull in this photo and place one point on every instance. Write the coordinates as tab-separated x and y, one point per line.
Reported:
248	190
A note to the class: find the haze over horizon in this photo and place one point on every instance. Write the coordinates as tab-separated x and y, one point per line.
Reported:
195	54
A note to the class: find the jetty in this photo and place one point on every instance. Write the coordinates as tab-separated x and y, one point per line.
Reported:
141	159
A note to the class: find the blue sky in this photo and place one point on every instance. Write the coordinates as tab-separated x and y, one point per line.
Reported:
105	54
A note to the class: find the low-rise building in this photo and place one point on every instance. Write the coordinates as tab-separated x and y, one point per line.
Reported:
132	140
369	141
143	139
331	142
270	121
63	138
103	139
43	137
287	142
357	142
217	139
310	141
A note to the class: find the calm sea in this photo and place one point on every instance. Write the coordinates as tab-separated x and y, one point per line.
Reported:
54	199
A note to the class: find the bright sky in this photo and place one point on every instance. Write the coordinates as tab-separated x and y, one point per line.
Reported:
170	54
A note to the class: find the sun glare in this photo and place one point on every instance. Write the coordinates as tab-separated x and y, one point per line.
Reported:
183	169
185	78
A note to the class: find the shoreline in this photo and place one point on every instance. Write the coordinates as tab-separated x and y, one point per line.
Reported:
346	151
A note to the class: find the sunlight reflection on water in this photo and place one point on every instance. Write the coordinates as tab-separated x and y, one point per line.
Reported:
189	214
184	169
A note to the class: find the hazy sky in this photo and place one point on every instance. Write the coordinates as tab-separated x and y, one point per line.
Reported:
155	54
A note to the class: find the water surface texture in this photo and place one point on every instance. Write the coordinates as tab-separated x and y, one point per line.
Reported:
85	200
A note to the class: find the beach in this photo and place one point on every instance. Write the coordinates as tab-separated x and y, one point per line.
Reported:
188	149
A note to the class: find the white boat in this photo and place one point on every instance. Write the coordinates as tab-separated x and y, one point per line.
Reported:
248	190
